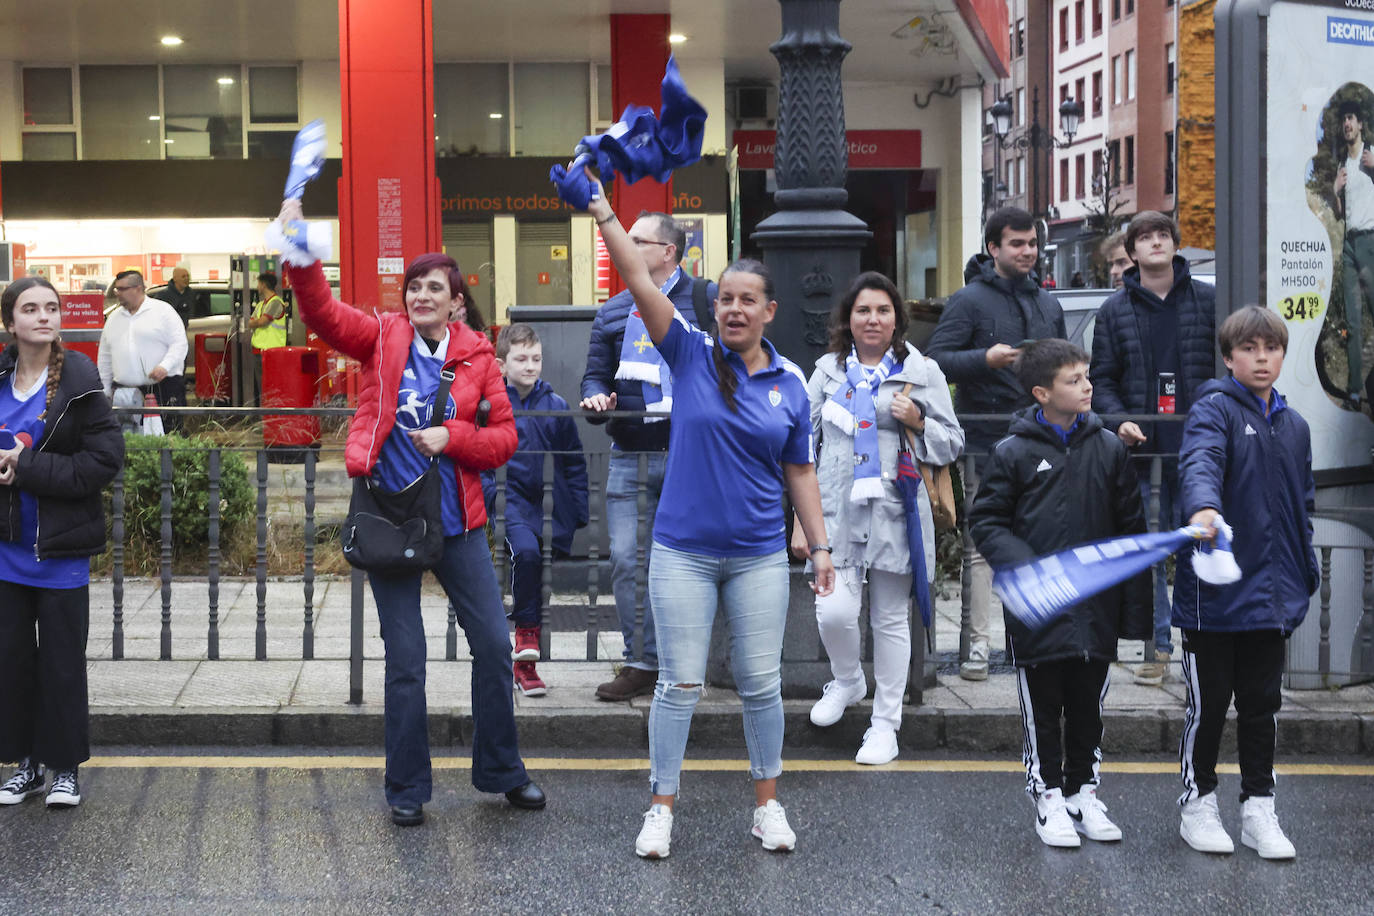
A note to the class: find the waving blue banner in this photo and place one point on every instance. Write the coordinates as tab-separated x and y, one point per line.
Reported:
1040	590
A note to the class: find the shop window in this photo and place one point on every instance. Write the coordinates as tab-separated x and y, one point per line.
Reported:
203	111
552	104
120	115
49	146
272	96
472	109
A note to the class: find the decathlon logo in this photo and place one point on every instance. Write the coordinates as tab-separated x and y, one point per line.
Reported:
1349	31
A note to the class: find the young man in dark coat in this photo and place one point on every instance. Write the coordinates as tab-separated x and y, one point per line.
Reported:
1058	480
1152	351
975	342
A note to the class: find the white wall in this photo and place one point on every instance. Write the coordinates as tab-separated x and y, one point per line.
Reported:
705	80
11	111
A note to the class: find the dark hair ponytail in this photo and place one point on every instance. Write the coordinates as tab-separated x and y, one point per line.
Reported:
55	361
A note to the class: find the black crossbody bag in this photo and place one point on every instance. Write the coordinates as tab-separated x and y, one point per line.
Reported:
402	531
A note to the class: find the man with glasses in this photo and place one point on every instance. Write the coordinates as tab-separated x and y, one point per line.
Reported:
142	351
625	372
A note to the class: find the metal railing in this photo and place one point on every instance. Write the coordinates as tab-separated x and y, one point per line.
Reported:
594	612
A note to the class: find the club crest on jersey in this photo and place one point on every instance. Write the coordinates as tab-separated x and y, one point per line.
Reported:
775	396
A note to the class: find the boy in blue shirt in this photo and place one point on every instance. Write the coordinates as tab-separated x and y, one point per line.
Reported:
1247	458
521	357
1061	479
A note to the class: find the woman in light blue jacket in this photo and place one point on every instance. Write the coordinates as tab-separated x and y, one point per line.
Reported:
865	392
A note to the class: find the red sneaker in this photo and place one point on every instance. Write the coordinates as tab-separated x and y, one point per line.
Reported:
527	679
526	644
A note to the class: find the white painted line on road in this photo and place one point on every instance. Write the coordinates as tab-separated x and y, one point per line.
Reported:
624	764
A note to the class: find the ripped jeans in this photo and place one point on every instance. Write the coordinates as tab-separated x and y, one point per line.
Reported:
685	589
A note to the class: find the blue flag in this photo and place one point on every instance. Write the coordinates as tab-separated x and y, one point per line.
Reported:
1039	590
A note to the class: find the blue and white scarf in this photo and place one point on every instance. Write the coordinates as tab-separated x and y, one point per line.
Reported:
640	360
853	409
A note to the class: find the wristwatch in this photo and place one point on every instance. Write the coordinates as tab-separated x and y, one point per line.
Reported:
815	548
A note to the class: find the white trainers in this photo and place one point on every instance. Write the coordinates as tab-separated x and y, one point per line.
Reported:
835	699
1201	828
976	668
1089	816
65	791
770	826
1259	829
880	747
1052	822
656	836
27	780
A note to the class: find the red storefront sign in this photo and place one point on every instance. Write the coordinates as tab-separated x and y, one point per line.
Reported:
868	149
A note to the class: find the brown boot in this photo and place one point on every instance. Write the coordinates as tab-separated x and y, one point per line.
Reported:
628	684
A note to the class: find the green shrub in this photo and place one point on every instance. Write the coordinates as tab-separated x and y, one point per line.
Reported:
190	492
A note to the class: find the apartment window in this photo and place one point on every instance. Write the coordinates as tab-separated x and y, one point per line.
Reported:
1011	177
1170	62
1114	154
1097	94
1130	75
1063	93
1130	7
1064	29
1020	37
120	115
1130	160
1020	174
1116	10
1097	17
472	109
1063	179
1080	89
1097	171
1079	180
1169	162
1116	80
1078	11
49	119
1021	106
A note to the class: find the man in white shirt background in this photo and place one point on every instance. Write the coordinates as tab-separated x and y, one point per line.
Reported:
142	351
1354	193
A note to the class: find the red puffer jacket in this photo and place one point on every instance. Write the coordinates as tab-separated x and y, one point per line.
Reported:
382	343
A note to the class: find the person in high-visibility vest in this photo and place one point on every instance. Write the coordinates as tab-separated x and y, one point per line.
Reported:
269	326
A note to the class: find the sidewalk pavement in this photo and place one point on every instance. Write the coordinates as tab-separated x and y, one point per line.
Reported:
239	701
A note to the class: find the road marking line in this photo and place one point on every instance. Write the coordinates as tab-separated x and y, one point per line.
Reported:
628	764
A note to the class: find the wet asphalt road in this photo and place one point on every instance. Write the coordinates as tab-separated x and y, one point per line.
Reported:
179	838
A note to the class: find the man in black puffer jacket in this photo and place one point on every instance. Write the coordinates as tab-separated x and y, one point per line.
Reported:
1161	323
1058	480
974	343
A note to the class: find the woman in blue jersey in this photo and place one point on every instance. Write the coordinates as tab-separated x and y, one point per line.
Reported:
741	437
59	445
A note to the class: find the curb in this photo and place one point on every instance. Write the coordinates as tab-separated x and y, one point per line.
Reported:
715	726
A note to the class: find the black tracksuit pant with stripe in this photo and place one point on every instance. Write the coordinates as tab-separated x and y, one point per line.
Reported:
1072	690
1246	666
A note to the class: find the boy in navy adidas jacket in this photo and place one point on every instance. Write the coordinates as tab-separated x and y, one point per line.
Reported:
521	357
1246	456
1061	479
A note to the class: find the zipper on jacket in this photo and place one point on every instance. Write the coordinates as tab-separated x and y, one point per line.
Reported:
49	431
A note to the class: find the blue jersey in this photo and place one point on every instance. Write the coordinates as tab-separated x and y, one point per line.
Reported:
723	487
400	463
19	561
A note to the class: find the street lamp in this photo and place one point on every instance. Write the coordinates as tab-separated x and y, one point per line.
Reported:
1038	137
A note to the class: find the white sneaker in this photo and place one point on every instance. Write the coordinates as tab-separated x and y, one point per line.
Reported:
770	825
655	837
1201	827
65	791
835	699
1259	829
976	668
28	780
1089	816
1052	822
880	747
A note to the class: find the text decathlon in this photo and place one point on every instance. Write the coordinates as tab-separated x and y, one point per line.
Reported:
1349	31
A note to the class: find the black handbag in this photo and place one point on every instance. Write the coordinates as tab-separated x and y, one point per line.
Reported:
402	531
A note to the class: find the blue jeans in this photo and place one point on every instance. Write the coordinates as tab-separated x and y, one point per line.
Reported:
686	589
622	521
467	576
1168	519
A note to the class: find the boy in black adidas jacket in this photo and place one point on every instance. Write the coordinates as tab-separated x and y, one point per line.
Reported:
1058	480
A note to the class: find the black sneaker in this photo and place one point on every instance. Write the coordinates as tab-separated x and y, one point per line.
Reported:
27	780
65	791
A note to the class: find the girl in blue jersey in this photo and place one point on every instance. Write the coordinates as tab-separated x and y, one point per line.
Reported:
59	445
741	437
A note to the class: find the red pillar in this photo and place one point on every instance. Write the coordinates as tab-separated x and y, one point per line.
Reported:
388	207
639	55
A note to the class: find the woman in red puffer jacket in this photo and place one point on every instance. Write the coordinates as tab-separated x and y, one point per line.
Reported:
391	440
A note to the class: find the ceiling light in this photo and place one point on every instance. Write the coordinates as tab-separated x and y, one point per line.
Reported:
154	117
225	81
676	38
171	41
496	116
168	141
